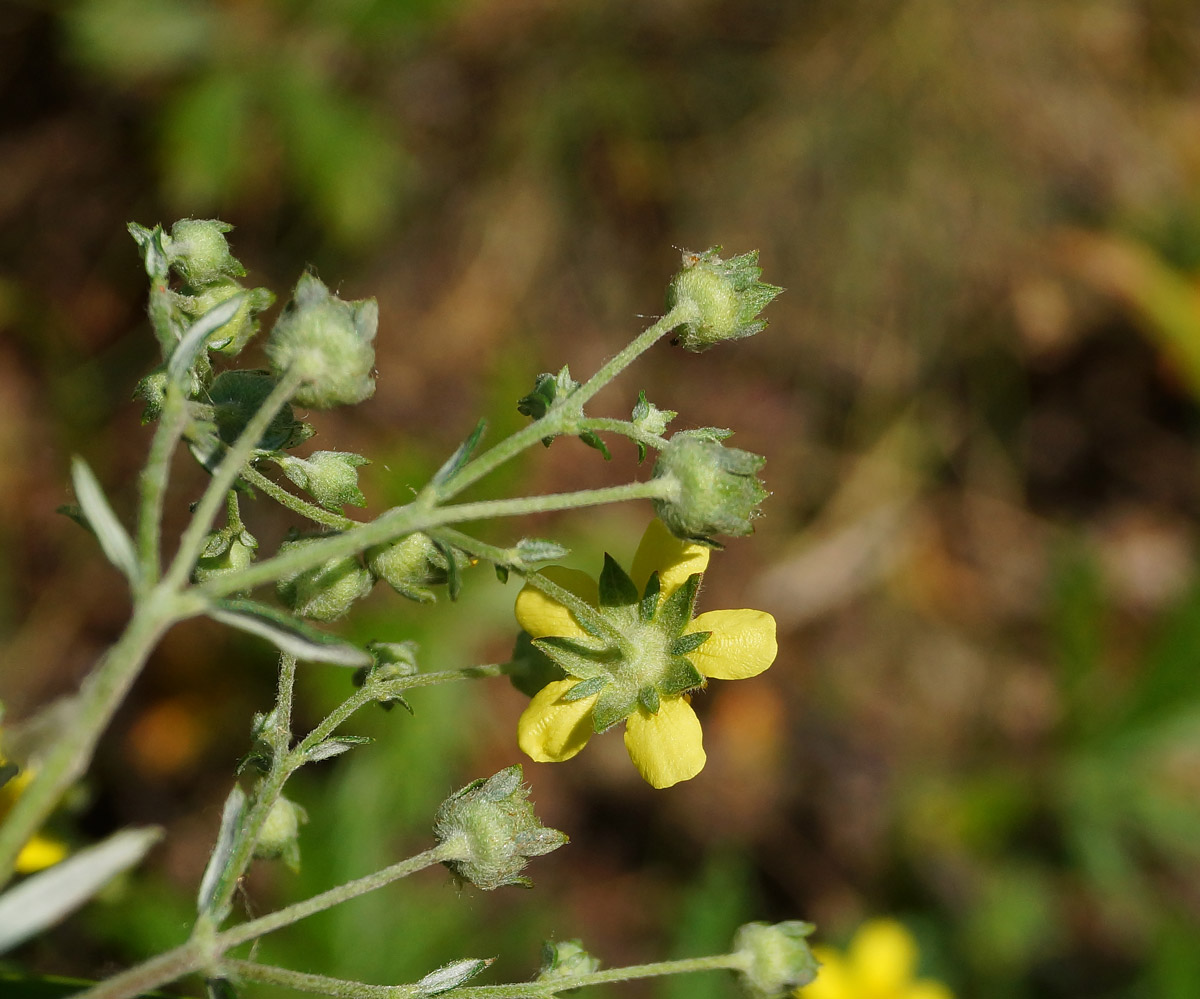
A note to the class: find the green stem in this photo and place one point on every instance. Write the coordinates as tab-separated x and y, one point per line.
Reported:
227	473
321	985
153	483
334	896
566	410
625	429
327	518
342	989
97	701
406	519
205	949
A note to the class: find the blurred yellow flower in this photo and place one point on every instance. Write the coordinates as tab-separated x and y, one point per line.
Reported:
879	964
636	657
39	852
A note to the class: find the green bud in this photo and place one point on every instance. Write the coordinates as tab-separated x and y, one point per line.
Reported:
565	959
491	826
235	334
718	488
227	550
326	592
412	565
725	297
152	390
279	838
199	252
236	395
776	958
328	342
330	477
393	661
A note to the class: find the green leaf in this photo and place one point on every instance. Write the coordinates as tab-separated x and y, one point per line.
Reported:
335	746
591	440
231	821
450	976
42	899
113	538
289	634
461	455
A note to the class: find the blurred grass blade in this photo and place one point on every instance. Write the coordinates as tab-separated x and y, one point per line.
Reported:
288	634
231	819
43	899
113	538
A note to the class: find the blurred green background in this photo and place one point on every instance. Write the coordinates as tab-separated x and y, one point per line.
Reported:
977	398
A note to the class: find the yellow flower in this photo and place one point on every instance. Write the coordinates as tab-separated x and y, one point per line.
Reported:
41	851
879	964
633	652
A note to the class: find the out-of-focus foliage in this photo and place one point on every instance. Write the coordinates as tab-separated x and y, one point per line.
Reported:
977	399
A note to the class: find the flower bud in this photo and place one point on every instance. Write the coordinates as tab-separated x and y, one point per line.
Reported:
776	957
235	334
413	564
565	959
718	489
279	838
491	826
724	297
330	477
328	342
326	592
226	551
199	252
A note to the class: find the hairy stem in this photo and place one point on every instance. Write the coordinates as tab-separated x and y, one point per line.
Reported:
317	514
398	522
153	485
568	410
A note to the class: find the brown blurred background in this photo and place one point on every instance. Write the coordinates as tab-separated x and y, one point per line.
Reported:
977	399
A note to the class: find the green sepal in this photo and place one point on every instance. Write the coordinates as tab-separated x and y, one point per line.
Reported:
220	988
546	391
676	611
616	588
649	604
577	659
7	772
453	577
648	699
591	440
681	676
154	252
614	705
335	746
330	477
689	642
501	572
586	688
530	669
461	455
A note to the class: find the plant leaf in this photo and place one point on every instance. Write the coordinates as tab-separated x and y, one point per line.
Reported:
461	455
113	538
231	820
289	634
42	900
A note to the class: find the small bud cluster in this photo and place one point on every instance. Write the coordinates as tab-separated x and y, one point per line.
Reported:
492	828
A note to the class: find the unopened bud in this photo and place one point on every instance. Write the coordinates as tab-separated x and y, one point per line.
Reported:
776	958
412	565
491	827
718	491
199	252
280	834
723	296
328	342
565	959
326	592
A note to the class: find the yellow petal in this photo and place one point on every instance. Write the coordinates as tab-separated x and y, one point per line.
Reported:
884	956
742	643
833	980
542	616
667	747
551	730
39	853
675	560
